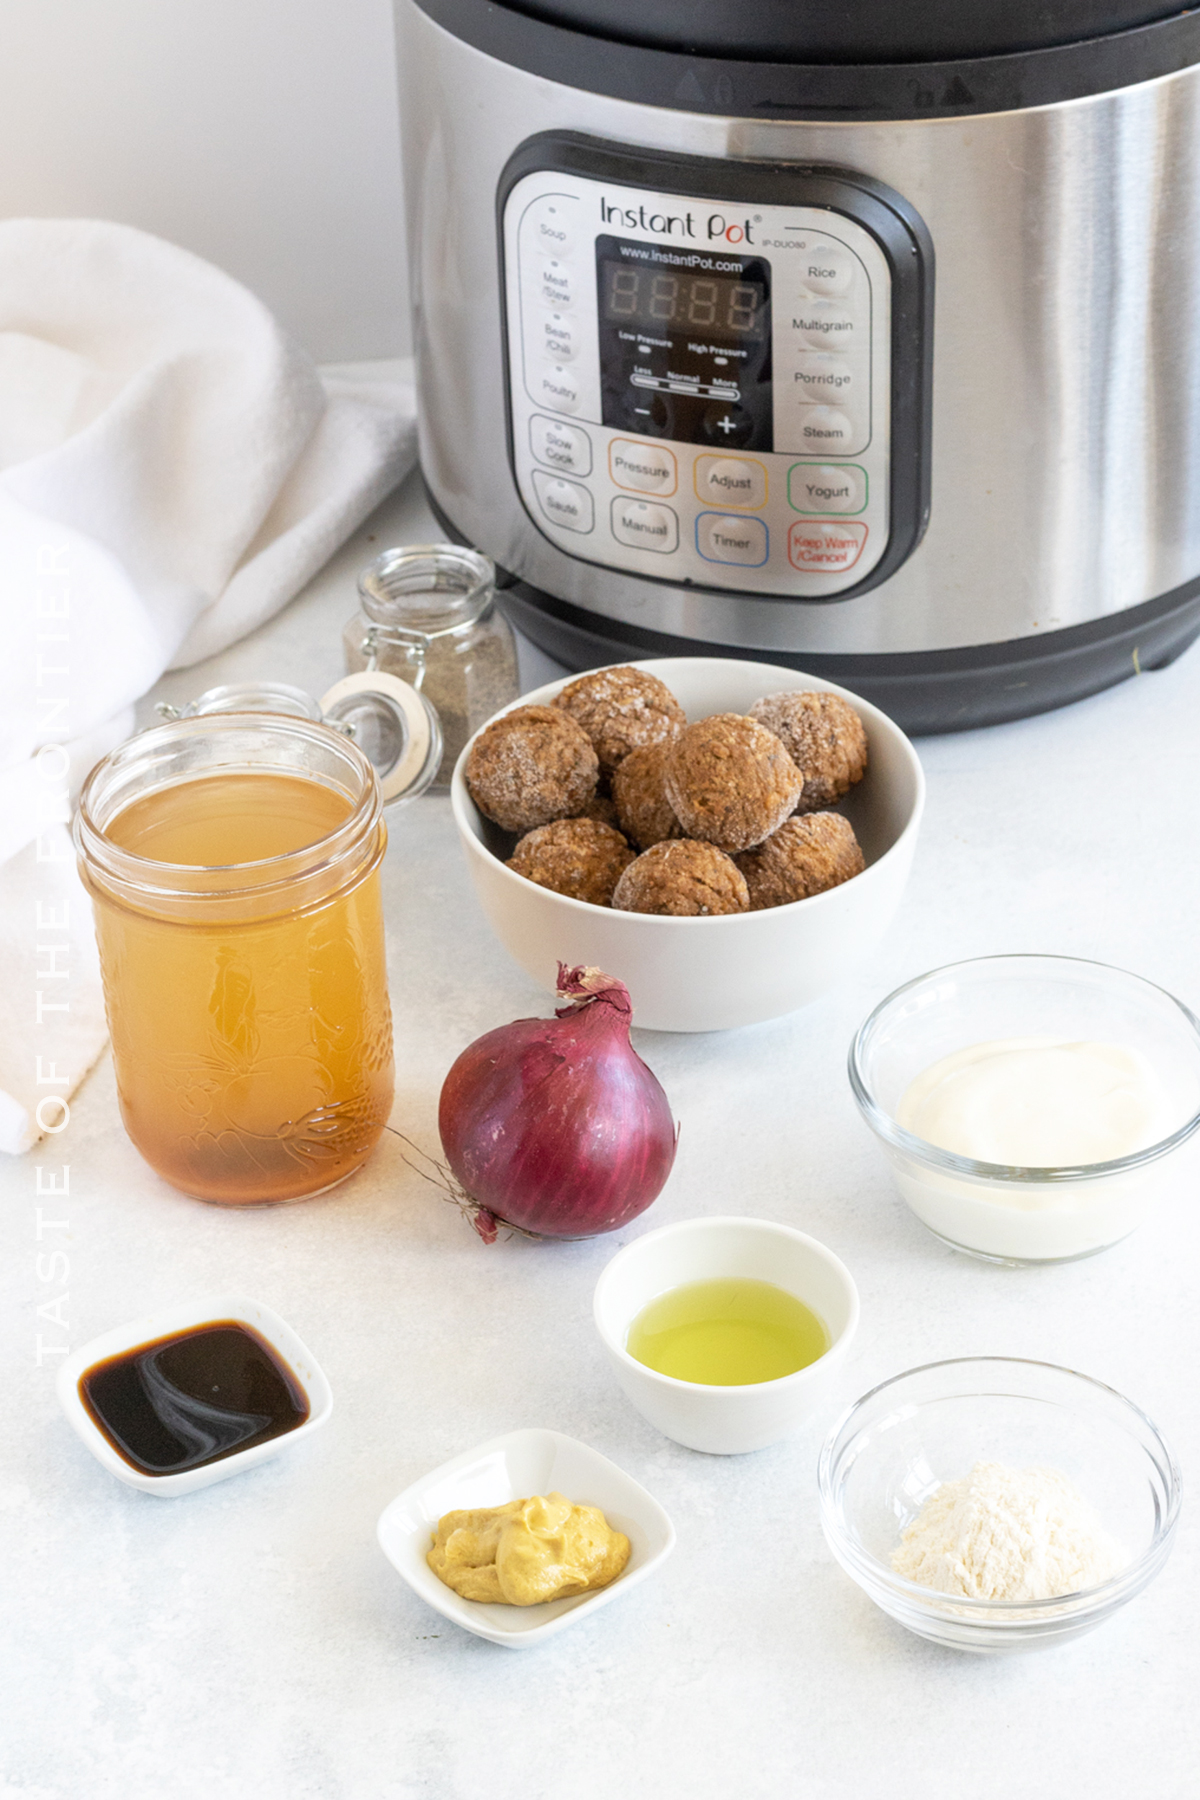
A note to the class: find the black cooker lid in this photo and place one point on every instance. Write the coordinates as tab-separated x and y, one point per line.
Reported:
833	59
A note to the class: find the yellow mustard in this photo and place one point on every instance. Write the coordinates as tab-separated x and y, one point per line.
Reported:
543	1548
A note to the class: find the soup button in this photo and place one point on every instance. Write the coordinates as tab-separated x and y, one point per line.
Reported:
821	547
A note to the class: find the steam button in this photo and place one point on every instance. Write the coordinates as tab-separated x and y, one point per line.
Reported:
564	503
644	526
824	428
557	388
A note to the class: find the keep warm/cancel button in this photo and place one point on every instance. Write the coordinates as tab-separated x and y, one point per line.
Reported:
821	547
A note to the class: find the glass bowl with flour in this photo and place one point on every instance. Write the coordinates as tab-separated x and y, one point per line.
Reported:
993	1504
1032	1109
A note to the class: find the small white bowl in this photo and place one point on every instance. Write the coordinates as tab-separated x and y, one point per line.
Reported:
513	1467
725	1421
210	1309
705	974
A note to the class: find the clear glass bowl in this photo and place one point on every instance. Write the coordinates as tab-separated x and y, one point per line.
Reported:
900	1442
1026	1215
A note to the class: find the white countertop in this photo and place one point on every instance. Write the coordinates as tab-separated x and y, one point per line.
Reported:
251	1640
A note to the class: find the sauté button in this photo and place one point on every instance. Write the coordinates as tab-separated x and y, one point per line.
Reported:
827	487
558	388
560	446
564	502
551	227
823	323
826	269
824	428
729	539
560	337
731	480
649	468
820	375
558	284
644	525
823	548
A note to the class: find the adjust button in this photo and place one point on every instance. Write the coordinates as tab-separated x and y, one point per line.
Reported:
731	480
644	525
557	388
827	487
725	539
823	548
565	503
648	468
560	446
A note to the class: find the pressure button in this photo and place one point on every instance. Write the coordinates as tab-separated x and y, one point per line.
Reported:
647	468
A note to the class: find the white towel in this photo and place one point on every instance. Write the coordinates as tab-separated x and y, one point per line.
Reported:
173	469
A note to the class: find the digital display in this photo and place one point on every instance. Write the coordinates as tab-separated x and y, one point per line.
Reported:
655	299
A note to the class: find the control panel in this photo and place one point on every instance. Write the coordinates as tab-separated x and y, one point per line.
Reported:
702	388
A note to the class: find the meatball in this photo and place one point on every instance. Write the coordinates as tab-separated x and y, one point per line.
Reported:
579	857
622	710
643	810
530	766
825	739
809	853
731	782
682	878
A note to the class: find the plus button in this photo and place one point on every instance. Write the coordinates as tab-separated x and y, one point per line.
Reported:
726	425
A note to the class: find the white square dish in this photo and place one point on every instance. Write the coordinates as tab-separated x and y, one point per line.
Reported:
513	1467
209	1309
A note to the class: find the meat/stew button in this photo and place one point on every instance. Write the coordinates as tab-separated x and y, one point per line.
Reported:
823	547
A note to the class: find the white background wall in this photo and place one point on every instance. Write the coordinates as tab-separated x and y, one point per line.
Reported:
261	134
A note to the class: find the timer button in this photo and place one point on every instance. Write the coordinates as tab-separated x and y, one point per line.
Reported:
557	281
823	548
819	375
560	446
731	539
560	337
564	503
644	526
824	428
826	269
649	468
557	388
551	226
731	481
827	487
823	323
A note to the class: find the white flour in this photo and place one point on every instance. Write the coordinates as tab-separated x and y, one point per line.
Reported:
1008	1534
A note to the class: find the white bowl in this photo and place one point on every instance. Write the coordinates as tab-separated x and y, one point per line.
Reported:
725	1420
513	1467
704	974
210	1309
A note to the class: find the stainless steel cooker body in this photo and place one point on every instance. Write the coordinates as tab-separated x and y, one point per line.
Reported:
1063	539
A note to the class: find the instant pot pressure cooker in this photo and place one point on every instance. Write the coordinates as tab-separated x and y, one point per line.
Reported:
858	337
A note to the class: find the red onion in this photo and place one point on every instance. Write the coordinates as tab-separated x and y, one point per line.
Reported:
556	1125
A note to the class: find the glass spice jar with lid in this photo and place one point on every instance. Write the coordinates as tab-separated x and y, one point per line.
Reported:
429	616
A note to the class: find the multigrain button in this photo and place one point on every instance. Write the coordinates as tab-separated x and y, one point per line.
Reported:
731	480
820	375
648	468
730	539
823	323
824	548
560	446
643	525
564	502
824	428
551	227
827	269
827	487
558	388
558	284
560	338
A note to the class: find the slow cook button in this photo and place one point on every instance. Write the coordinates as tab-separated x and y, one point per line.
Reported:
819	375
827	487
731	540
824	548
558	284
648	468
550	226
731	480
560	446
824	428
644	526
565	503
560	339
557	388
827	269
823	323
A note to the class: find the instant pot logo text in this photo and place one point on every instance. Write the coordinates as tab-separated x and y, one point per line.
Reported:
706	228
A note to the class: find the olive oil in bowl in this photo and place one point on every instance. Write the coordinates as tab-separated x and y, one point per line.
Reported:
729	1332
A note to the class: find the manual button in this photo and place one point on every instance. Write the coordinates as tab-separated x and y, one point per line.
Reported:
564	503
725	539
644	526
731	480
649	468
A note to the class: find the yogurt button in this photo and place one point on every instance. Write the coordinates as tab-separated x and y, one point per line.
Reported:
824	323
558	388
826	269
557	283
731	540
824	428
731	480
560	446
827	487
551	227
819	375
560	337
644	526
564	502
649	468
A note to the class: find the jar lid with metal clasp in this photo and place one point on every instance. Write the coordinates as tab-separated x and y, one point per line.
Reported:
396	728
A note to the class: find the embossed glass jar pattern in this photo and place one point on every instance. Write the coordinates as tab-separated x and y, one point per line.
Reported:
233	864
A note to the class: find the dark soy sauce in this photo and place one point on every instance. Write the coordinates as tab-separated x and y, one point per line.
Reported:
193	1397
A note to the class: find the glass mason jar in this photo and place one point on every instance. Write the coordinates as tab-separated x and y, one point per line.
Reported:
429	615
233	863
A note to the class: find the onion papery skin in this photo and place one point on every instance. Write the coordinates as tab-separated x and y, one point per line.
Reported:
557	1126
